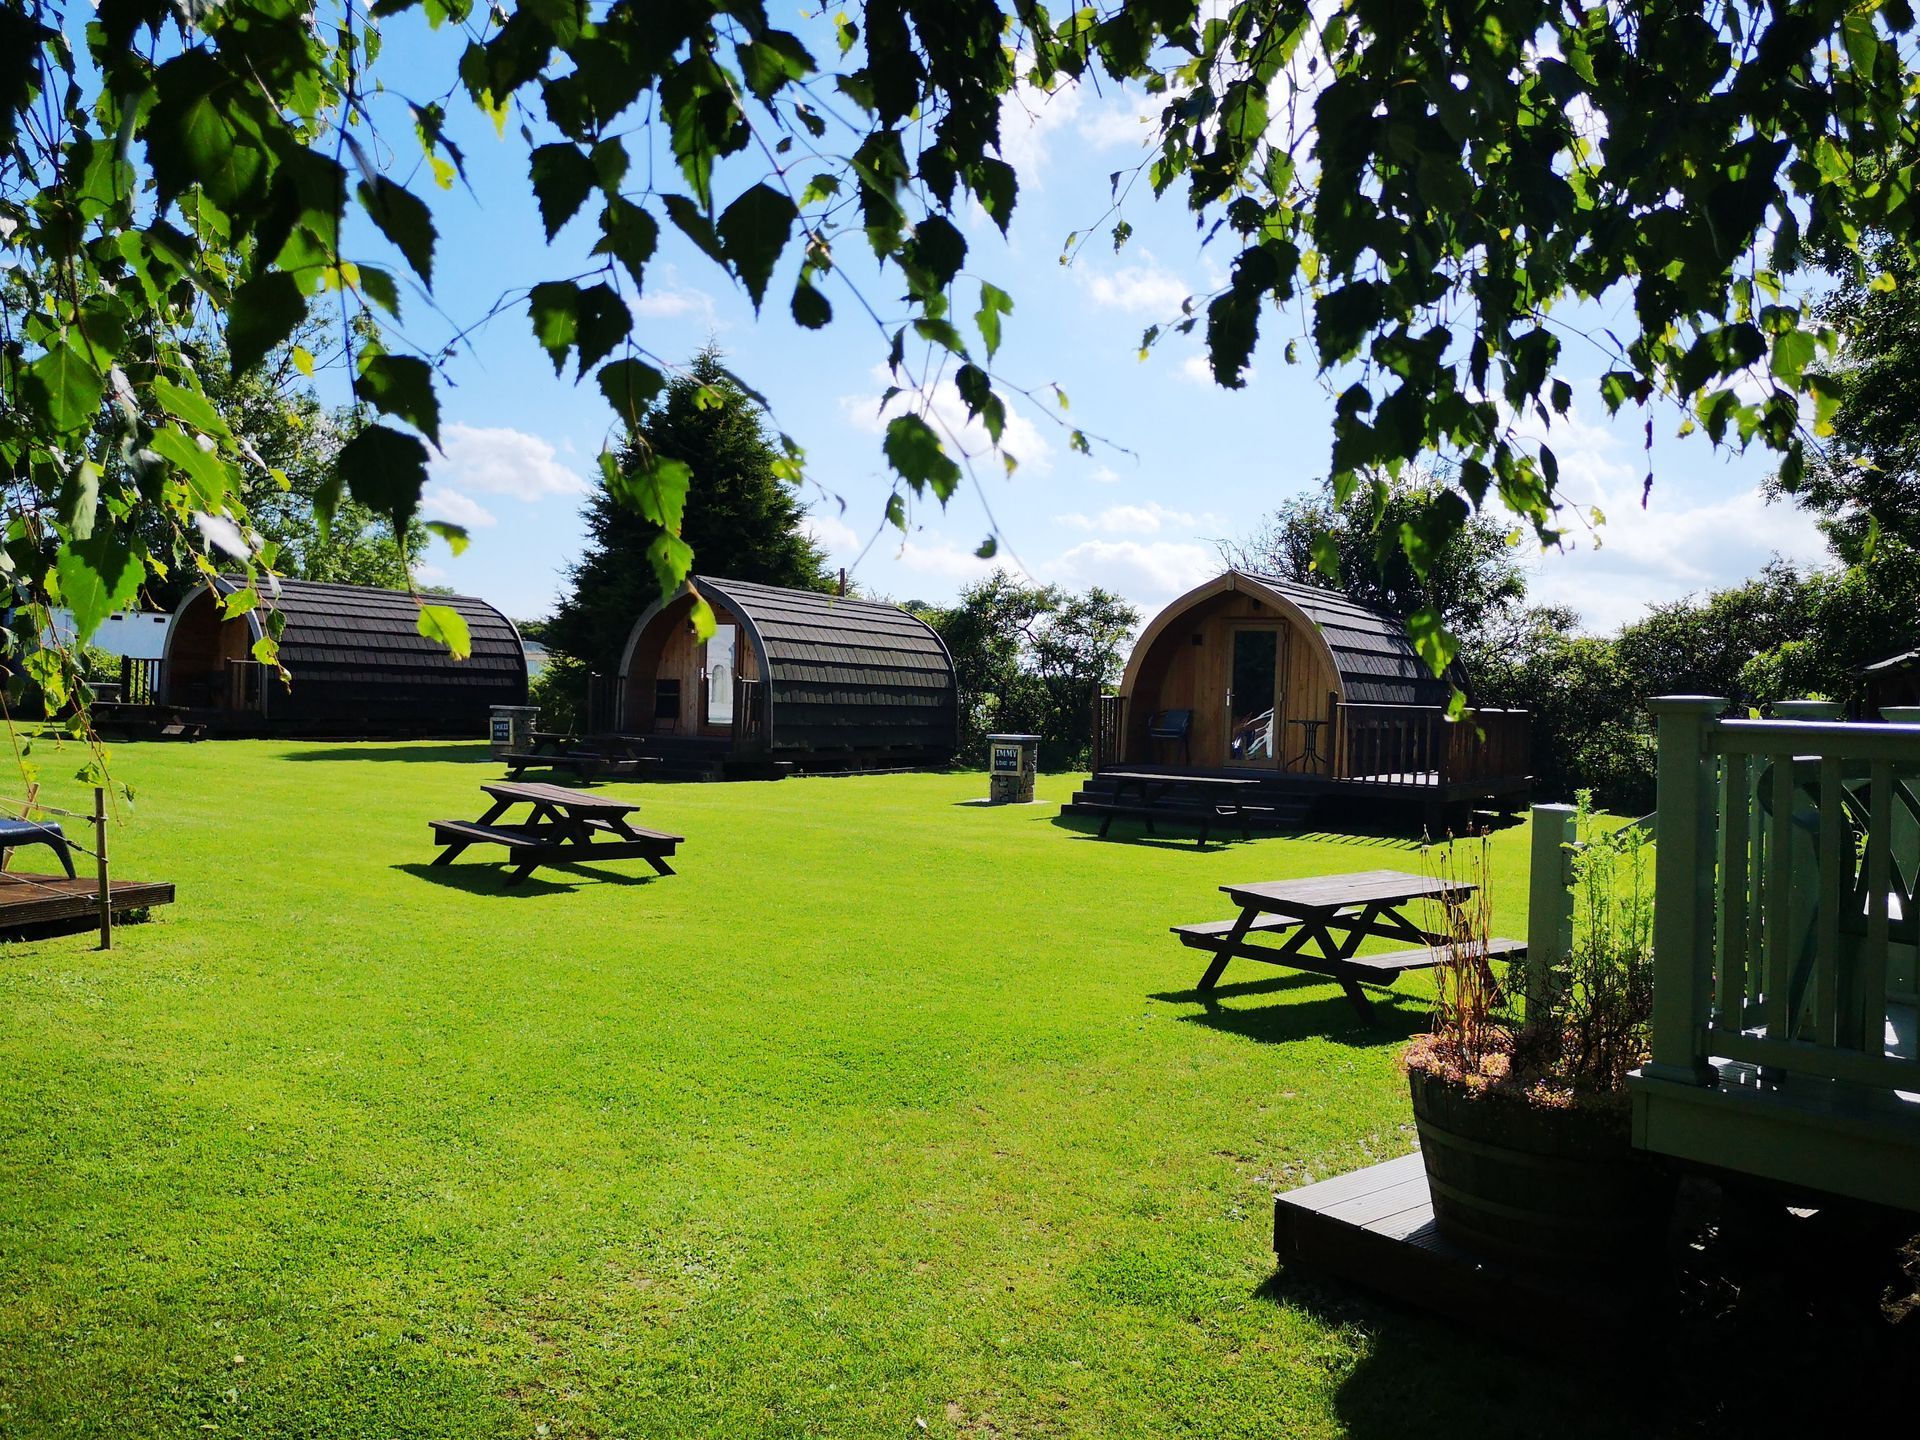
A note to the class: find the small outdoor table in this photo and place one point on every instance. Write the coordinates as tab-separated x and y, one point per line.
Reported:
1150	787
1321	922
565	827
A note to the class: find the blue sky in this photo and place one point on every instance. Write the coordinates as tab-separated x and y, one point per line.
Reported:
1188	463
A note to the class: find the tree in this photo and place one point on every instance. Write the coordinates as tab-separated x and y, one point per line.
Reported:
1077	651
1437	182
1363	545
1866	479
1030	659
740	517
292	445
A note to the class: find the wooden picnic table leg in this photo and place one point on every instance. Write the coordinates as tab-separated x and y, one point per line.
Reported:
659	863
1359	999
522	871
1235	938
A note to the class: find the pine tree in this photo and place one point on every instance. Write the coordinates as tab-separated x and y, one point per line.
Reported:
742	520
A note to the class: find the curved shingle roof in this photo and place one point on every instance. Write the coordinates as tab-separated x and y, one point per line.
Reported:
360	664
1371	649
843	672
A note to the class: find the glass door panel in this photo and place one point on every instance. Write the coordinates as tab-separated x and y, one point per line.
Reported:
1254	681
721	647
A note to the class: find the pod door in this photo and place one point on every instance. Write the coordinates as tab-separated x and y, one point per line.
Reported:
1256	678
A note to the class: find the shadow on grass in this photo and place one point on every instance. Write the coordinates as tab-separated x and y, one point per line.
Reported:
1183	836
1417	1374
473	752
482	878
1330	1018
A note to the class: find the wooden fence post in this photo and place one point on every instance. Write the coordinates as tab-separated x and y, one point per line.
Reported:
100	860
1683	886
1549	906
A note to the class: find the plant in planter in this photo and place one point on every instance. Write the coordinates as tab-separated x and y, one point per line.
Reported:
1526	1130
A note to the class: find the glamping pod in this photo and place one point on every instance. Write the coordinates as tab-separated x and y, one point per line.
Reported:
359	664
1252	675
789	679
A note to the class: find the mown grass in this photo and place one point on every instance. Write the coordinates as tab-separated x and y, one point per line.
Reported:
889	1109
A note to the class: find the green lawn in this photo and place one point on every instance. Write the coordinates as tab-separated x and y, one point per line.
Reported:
890	1108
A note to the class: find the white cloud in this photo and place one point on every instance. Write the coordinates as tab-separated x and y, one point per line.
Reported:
1105	475
443	502
1679	542
1030	119
1148	519
1148	573
1143	288
499	461
667	299
430	575
931	554
1198	369
947	413
832	535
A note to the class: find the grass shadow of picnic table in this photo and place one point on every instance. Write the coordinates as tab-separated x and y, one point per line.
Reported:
491	879
464	752
1181	837
1275	1021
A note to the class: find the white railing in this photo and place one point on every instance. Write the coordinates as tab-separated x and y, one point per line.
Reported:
1786	872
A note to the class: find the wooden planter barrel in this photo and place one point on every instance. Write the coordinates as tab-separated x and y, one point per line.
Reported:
1534	1185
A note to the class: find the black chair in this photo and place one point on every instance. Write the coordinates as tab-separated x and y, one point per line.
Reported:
1172	725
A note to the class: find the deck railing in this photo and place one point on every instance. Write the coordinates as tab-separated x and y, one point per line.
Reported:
240	685
139	681
749	727
1418	745
1786	875
1109	713
601	715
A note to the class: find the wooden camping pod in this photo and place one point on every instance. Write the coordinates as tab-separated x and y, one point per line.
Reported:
358	664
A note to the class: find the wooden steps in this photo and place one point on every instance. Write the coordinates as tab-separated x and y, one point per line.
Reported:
1190	800
1375	1227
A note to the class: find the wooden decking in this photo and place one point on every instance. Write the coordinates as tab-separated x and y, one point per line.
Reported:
28	900
1375	1227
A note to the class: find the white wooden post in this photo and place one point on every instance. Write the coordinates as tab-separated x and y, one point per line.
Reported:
1549	906
1683	887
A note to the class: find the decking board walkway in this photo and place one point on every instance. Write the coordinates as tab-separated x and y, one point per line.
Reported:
1375	1227
28	900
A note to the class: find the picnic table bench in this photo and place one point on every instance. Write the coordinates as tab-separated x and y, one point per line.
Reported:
565	827
1321	922
1151	789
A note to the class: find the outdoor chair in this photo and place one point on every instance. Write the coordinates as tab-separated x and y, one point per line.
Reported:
1168	726
35	832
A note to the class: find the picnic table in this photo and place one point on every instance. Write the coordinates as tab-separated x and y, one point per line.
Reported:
1152	791
565	827
588	759
1321	922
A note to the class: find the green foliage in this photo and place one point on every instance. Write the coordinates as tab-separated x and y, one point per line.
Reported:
560	690
1786	634
701	472
1597	1026
1374	546
1865	480
1032	659
1470	170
